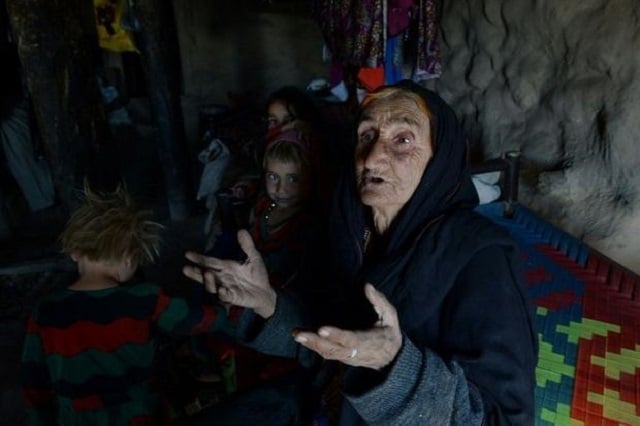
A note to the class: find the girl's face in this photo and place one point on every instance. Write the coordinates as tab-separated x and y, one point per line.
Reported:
278	115
286	183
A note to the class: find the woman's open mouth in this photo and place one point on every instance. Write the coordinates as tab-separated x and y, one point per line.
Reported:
370	181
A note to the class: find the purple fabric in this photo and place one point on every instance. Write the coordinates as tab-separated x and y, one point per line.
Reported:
354	32
399	15
426	50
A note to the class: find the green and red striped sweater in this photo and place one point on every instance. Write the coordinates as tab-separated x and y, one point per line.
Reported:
88	355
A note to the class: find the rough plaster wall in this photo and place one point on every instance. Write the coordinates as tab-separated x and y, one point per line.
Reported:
560	81
234	50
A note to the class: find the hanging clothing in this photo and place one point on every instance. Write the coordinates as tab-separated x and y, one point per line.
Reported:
422	42
394	60
216	158
30	172
354	30
399	16
357	33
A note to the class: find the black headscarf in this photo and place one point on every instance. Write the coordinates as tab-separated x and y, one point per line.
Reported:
422	268
446	182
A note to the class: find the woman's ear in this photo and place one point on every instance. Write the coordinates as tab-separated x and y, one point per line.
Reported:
74	257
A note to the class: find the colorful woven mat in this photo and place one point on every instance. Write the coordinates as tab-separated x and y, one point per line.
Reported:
588	317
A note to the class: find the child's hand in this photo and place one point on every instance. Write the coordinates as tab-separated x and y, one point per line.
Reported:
243	284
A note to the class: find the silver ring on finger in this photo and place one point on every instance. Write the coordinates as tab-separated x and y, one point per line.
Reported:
354	353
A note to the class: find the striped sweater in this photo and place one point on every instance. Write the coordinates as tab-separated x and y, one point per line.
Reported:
88	355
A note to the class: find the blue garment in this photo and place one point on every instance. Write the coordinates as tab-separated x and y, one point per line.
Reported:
31	173
393	60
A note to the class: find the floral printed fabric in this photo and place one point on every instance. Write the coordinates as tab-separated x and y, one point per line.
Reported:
353	30
356	33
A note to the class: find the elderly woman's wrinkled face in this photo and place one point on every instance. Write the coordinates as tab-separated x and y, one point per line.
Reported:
392	152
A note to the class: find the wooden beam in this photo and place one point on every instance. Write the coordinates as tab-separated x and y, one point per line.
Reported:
59	53
158	44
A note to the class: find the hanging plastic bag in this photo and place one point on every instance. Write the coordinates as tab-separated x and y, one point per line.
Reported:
111	34
215	158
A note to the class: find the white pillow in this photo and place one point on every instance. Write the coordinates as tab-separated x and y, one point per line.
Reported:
487	186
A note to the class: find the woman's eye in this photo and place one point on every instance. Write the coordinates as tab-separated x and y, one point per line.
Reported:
403	139
272	122
367	136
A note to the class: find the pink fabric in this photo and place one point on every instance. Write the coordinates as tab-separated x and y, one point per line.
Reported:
291	136
398	15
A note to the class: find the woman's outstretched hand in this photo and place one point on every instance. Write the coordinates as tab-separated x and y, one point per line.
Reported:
244	284
374	348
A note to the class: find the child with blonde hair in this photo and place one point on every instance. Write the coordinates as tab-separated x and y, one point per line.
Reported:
282	217
89	348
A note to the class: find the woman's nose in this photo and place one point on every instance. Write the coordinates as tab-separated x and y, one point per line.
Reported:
375	153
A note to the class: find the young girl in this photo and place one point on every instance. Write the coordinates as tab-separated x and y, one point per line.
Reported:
89	348
281	218
292	108
283	229
288	108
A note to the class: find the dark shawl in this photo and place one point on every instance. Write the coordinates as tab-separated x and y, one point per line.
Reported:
445	187
423	271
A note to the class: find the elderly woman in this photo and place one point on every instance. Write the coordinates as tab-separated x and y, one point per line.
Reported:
436	327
